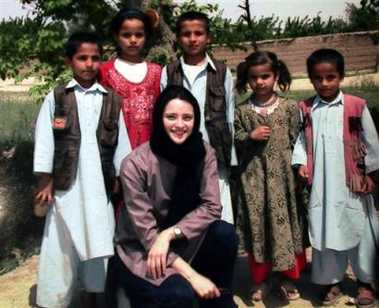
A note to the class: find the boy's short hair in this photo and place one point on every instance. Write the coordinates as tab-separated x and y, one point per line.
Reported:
76	39
192	15
329	56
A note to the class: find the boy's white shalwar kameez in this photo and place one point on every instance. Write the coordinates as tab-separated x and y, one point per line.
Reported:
343	225
79	228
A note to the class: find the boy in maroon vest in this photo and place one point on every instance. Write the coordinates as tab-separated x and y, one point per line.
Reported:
210	81
80	140
337	154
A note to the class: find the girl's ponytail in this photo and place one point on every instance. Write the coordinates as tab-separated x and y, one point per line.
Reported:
242	77
278	67
284	76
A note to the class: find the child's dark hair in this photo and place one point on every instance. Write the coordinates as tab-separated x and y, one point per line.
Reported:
126	14
77	39
278	67
326	55
189	16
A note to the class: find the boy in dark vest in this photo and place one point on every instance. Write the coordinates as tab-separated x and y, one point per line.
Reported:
80	140
210	81
337	154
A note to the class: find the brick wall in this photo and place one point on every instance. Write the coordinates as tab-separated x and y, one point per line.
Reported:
360	49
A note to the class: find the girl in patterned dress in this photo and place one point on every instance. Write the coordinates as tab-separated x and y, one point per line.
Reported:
266	127
130	76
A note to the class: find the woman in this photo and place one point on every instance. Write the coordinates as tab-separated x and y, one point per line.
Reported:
171	246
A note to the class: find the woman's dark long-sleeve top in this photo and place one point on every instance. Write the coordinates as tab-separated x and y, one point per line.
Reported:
147	182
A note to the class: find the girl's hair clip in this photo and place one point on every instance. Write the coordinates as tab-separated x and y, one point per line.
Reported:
153	17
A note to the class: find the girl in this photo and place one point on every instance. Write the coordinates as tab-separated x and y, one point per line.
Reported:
172	247
266	127
134	79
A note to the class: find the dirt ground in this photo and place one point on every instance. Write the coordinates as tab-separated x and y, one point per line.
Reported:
18	289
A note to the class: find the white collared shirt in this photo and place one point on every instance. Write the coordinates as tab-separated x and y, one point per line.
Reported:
336	215
84	208
198	87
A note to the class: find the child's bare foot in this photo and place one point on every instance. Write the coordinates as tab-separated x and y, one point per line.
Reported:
365	298
333	294
259	292
288	290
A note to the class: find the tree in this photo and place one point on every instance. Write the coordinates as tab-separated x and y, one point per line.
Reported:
365	17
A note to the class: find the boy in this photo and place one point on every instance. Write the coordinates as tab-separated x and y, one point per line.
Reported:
337	153
80	140
211	83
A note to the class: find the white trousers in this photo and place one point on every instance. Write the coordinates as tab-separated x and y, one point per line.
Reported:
226	198
60	270
329	266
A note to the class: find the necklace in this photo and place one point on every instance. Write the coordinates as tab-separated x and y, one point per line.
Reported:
268	103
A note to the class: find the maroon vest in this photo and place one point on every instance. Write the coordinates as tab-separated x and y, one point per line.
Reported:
67	137
354	148
216	124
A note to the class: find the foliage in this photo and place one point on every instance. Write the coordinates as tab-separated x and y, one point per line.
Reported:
365	17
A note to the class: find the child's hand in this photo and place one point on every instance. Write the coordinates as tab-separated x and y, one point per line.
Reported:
261	133
44	193
303	172
369	185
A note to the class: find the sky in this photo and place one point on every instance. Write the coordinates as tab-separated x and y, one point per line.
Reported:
281	8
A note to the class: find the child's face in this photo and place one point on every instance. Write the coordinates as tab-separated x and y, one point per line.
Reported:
193	37
262	81
326	80
131	38
85	64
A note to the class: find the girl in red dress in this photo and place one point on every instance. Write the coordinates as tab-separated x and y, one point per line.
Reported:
130	76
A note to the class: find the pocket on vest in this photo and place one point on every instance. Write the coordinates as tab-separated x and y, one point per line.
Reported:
217	99
109	134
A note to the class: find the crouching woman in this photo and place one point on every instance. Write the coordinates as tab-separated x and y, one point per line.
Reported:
172	247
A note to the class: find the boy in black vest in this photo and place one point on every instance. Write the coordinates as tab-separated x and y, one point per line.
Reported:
210	81
80	140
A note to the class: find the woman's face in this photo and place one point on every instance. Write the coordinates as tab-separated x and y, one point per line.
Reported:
178	120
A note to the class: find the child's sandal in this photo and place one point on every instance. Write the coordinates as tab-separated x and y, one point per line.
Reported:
288	291
332	296
365	298
259	292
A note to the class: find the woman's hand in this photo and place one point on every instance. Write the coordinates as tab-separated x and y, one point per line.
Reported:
204	287
157	257
261	133
44	192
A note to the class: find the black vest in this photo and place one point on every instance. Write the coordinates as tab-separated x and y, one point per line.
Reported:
67	137
216	123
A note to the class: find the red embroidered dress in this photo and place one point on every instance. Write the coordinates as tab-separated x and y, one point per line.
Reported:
138	99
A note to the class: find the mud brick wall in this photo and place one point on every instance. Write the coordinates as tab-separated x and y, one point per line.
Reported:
360	49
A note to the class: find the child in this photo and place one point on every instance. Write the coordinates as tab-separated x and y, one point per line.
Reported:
266	128
134	79
80	140
211	83
337	152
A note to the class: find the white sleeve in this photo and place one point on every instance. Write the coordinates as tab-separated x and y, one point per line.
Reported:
299	155
123	145
164	78
44	137
230	106
370	138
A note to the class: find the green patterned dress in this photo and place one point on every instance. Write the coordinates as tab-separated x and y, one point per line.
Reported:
272	221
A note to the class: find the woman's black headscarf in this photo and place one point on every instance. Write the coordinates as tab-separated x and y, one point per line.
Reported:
188	157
